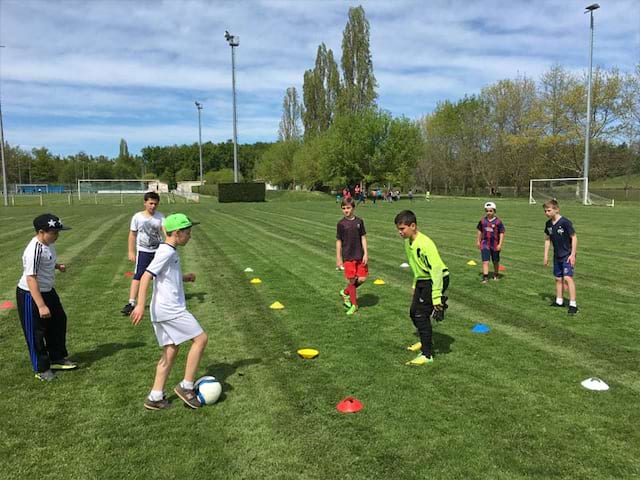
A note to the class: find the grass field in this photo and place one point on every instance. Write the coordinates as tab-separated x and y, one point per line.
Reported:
506	405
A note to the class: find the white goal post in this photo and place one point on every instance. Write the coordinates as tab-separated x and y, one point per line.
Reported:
116	186
570	188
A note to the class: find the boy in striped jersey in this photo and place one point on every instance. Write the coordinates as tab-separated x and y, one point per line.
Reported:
43	319
489	241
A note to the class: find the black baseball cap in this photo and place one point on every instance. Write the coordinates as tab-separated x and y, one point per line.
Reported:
47	222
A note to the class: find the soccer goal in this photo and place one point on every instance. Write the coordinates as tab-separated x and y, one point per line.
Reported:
116	186
571	189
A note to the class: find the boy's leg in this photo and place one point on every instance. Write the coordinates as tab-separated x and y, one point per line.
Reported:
33	328
486	256
420	313
56	334
495	256
559	290
193	357
163	369
572	290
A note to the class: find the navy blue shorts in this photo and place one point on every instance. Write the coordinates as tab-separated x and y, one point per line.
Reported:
143	259
562	268
490	255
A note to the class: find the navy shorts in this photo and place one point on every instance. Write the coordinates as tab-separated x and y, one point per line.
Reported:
143	259
490	255
562	268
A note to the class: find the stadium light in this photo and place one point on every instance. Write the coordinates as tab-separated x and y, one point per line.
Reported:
5	192
587	139
199	107
234	41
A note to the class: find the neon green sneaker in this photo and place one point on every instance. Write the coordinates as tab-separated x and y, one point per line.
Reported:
352	309
415	347
346	300
420	360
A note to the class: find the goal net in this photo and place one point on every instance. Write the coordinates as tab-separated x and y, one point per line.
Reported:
568	189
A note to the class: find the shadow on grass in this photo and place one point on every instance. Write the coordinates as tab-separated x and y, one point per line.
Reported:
198	295
222	371
87	358
442	343
368	300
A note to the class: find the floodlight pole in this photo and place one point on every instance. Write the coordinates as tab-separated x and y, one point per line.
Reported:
5	192
234	41
587	136
199	107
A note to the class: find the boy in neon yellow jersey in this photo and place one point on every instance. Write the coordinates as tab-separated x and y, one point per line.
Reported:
430	281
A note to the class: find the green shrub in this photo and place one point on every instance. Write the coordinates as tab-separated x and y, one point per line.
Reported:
241	192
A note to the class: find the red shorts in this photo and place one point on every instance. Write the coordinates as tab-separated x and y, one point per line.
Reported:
355	268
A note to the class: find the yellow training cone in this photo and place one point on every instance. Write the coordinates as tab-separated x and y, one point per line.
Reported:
472	263
276	306
378	281
255	280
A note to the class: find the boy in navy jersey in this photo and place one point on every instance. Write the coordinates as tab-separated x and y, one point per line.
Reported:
43	319
559	231
489	241
351	253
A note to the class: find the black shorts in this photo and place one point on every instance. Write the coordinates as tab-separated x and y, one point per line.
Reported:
143	259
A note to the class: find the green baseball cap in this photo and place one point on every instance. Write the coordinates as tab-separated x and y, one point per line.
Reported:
178	221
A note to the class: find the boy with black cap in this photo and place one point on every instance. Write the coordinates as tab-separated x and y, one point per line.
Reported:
171	321
42	317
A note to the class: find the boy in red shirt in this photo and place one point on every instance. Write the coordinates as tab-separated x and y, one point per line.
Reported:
351	253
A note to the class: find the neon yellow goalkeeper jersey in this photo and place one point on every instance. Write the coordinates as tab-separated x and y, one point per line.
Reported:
426	264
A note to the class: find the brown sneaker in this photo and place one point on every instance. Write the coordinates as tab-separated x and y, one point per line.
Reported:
188	397
156	404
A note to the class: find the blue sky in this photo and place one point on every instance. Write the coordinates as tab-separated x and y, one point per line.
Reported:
81	75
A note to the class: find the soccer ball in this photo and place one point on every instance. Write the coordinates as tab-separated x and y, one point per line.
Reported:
208	390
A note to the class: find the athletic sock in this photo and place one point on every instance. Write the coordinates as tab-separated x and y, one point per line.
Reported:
573	303
132	301
560	301
156	395
351	290
187	385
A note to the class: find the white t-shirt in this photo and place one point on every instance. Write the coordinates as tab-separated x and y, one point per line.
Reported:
149	231
40	260
168	300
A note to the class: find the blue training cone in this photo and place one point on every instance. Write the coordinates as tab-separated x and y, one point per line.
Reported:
480	328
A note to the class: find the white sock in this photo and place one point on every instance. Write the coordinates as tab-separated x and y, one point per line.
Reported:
560	301
573	303
187	385
156	395
132	301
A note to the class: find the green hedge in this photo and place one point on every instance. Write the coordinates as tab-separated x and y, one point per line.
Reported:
241	192
206	189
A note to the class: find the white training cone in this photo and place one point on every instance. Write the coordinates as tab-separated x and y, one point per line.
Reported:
248	270
595	384
404	265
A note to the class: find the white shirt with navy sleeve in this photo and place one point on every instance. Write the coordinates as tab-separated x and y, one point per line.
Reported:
167	302
40	260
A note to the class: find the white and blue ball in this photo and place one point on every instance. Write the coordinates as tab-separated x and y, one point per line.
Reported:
208	390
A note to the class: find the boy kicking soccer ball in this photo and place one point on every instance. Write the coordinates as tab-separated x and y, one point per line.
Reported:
430	281
171	321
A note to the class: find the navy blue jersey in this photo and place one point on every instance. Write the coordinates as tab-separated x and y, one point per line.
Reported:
560	235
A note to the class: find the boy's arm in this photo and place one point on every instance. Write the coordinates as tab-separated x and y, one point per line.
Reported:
138	312
499	246
574	249
365	257
478	238
132	245
547	244
34	290
338	253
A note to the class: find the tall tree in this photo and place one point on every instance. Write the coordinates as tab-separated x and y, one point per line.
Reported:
359	82
320	91
290	123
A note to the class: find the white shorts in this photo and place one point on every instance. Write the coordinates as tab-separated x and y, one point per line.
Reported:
178	330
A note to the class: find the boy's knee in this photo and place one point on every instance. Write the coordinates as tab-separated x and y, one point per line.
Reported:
202	339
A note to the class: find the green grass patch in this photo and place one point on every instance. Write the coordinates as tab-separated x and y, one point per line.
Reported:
506	405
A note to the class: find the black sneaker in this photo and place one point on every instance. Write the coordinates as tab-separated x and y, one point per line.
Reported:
572	310
127	309
554	304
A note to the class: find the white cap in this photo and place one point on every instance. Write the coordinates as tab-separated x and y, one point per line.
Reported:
490	205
